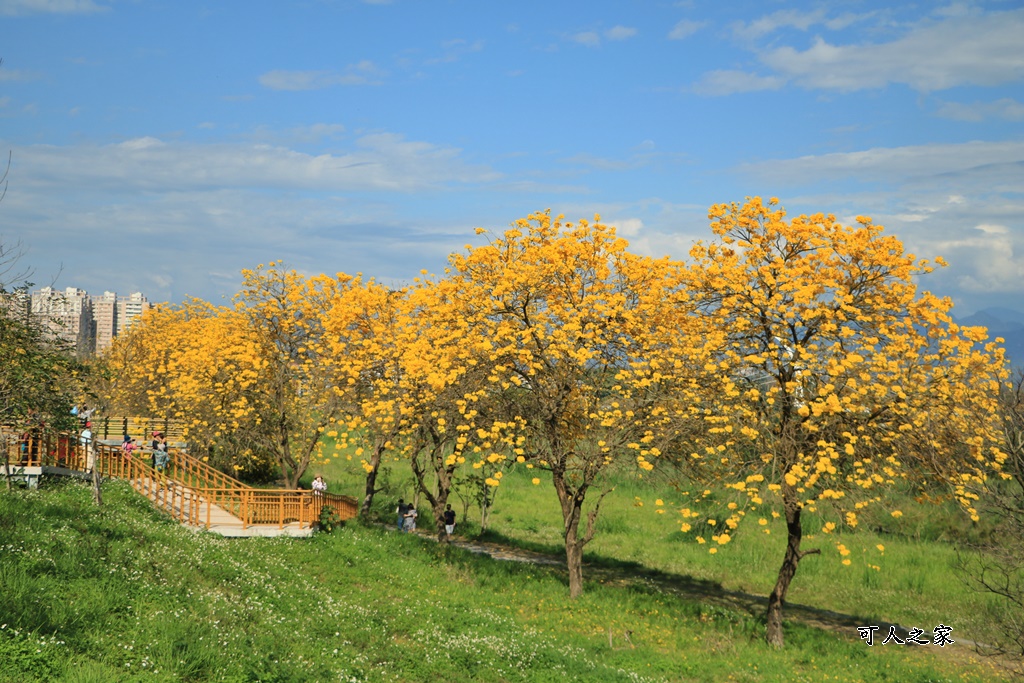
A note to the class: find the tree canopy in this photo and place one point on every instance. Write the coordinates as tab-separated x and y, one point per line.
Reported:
833	375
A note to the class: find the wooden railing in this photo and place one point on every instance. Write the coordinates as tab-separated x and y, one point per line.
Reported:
189	490
196	473
108	427
37	448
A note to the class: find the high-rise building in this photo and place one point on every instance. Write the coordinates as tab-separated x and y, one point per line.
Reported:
66	316
88	323
104	315
129	310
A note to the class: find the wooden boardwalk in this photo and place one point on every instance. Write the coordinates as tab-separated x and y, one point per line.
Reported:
190	491
180	500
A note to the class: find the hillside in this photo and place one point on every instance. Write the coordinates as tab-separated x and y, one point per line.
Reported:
125	595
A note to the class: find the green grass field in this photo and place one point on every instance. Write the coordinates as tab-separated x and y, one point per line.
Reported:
123	594
910	582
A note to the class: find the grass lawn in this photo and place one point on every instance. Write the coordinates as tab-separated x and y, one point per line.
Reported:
123	594
901	570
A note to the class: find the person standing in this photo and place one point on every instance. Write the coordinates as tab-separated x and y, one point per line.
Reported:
160	456
319	486
410	519
449	521
85	440
402	509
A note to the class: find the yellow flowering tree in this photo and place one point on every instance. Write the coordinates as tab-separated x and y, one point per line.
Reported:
260	380
567	321
830	376
197	364
368	331
303	387
454	418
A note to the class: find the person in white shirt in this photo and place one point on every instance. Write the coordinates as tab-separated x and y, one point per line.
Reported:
85	439
319	486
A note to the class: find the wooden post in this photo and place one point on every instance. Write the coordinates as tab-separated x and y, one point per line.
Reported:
7	457
96	494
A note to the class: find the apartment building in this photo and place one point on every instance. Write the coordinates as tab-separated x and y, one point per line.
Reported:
66	315
88	323
104	316
129	310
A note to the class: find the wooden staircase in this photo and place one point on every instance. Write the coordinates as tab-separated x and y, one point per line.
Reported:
190	491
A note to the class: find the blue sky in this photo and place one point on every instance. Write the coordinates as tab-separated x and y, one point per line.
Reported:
164	146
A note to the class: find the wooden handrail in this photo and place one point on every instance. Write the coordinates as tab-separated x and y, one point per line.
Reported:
140	427
189	490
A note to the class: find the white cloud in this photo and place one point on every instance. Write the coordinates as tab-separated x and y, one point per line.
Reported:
726	82
182	211
620	33
22	7
317	132
16	75
1006	108
781	19
362	73
626	227
956	9
975	50
992	229
588	38
993	259
960	201
906	164
455	49
380	161
685	29
593	38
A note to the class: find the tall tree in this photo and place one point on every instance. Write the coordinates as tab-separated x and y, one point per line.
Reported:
302	387
199	365
368	331
39	375
568	320
260	380
454	409
831	376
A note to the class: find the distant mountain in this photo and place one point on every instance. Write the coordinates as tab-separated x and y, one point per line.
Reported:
1002	322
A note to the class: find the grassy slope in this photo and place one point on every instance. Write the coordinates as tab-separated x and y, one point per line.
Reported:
911	581
124	595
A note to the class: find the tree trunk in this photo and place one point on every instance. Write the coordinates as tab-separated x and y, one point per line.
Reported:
443	477
572	512
371	478
574	560
439	500
777	599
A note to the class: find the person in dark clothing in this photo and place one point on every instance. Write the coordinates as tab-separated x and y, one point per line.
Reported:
402	510
449	521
